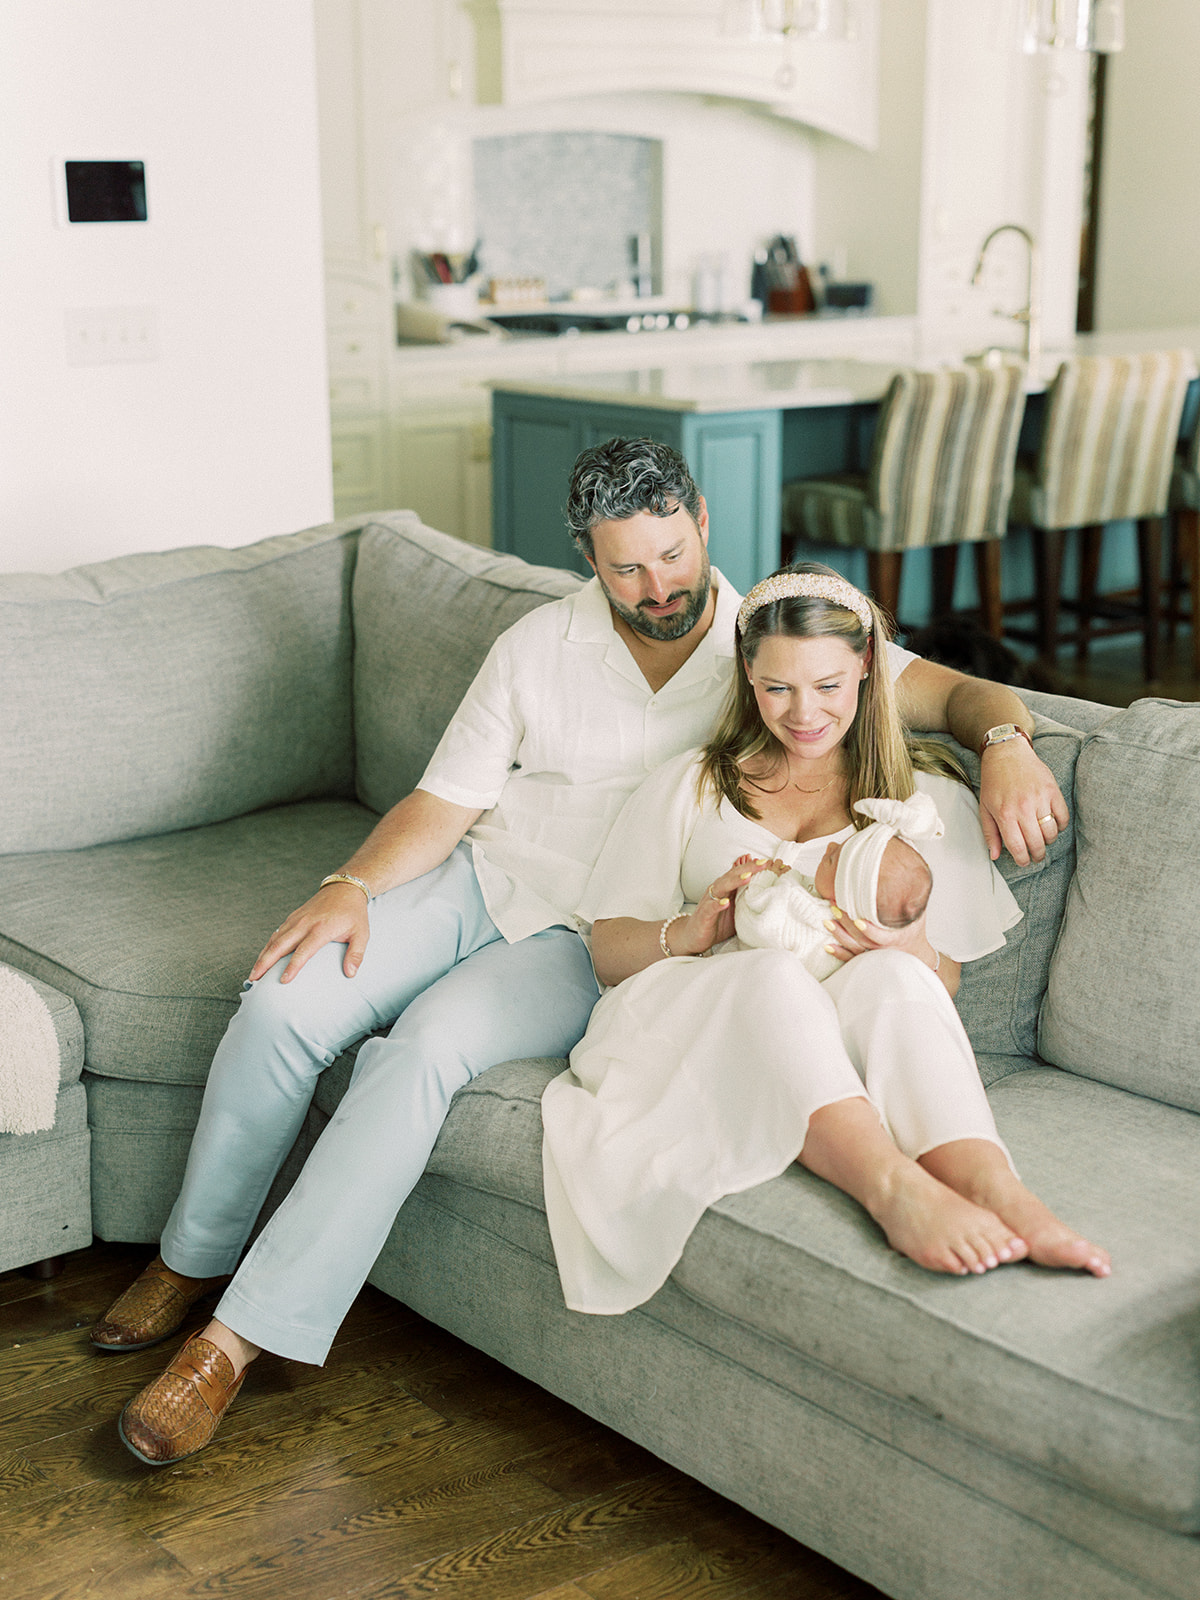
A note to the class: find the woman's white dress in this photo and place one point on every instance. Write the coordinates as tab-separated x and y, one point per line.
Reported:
697	1077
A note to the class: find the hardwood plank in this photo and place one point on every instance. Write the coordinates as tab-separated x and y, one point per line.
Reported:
554	1548
394	1534
735	1556
409	1482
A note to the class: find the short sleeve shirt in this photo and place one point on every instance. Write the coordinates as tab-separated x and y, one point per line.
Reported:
555	733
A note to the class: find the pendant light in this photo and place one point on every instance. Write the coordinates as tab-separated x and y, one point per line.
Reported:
1095	25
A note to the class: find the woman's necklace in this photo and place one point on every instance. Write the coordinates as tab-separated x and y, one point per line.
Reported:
821	790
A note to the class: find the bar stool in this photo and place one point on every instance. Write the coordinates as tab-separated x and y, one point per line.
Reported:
1185	544
941	475
1107	451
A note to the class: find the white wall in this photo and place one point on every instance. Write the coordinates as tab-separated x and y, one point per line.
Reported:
1148	267
868	201
224	438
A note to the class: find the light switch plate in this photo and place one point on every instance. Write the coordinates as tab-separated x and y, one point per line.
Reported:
98	335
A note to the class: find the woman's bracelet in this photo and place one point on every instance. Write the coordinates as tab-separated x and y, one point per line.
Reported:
679	916
347	877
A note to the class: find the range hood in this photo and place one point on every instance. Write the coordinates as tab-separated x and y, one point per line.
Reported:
536	50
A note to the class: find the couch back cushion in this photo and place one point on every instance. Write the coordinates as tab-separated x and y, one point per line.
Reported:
426	609
1001	994
156	692
1123	1003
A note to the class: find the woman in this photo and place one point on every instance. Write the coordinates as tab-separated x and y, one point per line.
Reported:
700	1078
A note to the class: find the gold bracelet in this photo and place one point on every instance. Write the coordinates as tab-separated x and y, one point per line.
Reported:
346	877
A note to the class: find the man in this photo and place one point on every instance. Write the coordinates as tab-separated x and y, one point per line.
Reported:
454	922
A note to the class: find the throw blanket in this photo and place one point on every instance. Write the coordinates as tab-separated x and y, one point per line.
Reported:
28	1057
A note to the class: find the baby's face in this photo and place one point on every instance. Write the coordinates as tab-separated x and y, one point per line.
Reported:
823	878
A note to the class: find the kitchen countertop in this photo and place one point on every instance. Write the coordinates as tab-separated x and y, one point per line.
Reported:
707	387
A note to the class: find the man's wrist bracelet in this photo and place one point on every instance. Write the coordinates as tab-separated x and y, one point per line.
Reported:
347	877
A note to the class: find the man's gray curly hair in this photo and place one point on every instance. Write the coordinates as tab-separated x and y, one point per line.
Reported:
619	478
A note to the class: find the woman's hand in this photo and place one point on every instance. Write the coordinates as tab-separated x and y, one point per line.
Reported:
712	921
849	938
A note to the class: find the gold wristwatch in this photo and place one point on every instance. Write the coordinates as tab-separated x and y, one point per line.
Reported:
1002	733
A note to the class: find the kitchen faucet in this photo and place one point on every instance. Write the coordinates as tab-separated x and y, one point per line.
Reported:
1031	314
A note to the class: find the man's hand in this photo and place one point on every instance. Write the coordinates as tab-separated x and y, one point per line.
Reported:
1021	807
336	914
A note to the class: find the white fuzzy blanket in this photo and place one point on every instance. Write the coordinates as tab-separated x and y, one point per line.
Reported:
28	1057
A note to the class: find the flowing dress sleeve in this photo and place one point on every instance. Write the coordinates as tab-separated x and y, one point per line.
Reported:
970	906
638	870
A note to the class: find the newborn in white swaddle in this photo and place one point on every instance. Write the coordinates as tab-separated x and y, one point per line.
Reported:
875	875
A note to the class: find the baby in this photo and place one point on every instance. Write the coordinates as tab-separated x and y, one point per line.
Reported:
875	875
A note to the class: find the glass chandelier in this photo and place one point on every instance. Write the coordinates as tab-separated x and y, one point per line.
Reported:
1096	25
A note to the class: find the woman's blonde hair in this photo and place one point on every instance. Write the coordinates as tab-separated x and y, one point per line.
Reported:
880	755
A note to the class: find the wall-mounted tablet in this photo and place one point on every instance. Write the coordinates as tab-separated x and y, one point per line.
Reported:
106	191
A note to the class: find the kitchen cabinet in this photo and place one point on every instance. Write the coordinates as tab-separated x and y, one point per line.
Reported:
530	50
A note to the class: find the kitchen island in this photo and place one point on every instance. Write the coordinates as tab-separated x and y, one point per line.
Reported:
745	428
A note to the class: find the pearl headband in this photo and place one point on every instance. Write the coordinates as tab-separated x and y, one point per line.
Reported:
805	585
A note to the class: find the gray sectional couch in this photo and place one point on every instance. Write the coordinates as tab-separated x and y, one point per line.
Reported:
189	741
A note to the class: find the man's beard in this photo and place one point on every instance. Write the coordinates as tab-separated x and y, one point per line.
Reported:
665	629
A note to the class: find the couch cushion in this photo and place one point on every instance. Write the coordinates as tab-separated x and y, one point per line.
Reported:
1000	995
1090	1381
152	938
1123	1003
426	609
155	692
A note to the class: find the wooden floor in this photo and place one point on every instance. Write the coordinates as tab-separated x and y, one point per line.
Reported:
409	1465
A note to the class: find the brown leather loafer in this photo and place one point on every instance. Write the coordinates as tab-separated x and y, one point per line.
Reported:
178	1413
150	1310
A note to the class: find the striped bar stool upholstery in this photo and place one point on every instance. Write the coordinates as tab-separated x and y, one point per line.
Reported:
941	475
1107	452
1185	548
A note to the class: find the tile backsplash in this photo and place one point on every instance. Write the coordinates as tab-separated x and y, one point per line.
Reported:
564	206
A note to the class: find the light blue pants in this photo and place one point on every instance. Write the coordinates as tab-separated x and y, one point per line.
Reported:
461	999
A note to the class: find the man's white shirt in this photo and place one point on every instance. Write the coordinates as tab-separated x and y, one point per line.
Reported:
555	733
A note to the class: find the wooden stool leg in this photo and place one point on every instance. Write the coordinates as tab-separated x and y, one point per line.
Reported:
987	577
1089	576
883	578
1150	563
945	570
1047	558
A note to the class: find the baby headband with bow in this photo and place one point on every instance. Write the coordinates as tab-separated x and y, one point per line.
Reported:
805	585
857	877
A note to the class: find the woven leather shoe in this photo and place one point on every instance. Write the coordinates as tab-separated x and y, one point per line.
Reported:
150	1310
178	1413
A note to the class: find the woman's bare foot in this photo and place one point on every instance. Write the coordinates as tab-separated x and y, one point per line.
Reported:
978	1170
940	1230
240	1351
922	1218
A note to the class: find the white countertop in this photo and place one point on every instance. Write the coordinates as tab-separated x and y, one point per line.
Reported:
787	385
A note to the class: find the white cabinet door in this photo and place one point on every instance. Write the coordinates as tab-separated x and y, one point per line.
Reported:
441	467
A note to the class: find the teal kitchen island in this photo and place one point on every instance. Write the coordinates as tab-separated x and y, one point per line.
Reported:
744	428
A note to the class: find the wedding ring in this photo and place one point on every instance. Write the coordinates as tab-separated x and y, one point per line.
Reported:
1048	818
